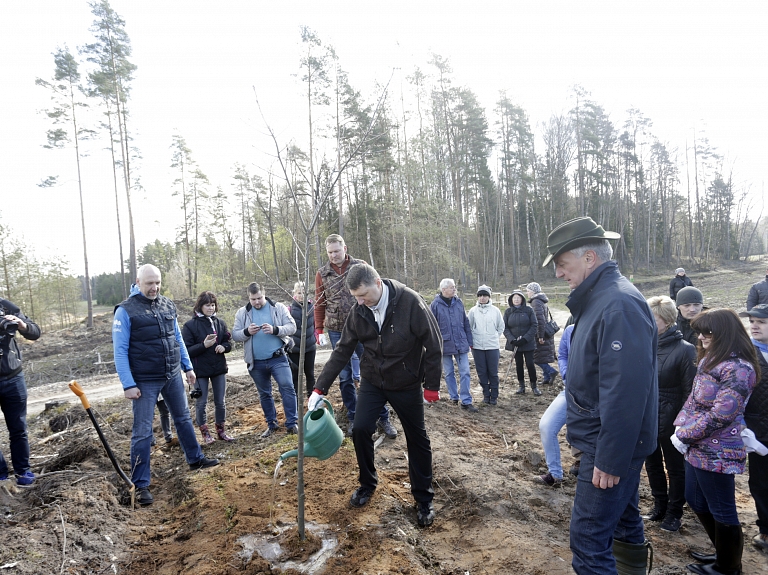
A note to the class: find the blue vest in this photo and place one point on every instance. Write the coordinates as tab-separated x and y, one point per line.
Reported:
153	352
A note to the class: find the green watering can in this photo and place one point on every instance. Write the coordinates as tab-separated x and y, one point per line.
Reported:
322	437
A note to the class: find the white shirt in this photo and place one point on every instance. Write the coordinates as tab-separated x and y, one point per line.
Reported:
380	309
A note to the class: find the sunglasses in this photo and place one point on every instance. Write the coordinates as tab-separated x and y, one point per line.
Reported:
706	333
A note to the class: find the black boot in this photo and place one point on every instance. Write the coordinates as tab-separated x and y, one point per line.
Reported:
729	543
708	522
534	389
521	388
632	558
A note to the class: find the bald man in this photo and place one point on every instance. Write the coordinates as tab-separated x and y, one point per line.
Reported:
149	357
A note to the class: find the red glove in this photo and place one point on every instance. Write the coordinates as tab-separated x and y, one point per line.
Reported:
431	396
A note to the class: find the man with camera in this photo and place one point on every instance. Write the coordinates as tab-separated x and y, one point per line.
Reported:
13	390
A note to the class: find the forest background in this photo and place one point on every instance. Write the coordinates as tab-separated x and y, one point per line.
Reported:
423	175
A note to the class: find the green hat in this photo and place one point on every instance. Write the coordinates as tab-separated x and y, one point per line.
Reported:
574	233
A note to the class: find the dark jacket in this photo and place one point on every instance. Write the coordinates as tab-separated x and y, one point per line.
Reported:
310	328
407	351
153	351
612	392
519	325
677	283
205	360
758	293
10	354
689	334
756	412
454	325
545	352
677	368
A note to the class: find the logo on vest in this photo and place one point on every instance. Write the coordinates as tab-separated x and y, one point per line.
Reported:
616	345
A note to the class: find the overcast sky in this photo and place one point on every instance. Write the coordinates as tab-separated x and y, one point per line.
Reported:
685	65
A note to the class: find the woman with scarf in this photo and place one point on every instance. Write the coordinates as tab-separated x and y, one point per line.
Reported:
208	339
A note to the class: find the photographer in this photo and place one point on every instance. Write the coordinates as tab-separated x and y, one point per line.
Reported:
13	390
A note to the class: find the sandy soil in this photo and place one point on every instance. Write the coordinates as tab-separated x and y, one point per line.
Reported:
492	514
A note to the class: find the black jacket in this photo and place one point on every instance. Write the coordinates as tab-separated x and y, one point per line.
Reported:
407	350
758	293
310	329
677	283
756	412
205	360
545	352
519	322
10	354
677	368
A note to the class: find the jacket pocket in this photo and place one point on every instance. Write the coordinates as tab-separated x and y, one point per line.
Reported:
581	408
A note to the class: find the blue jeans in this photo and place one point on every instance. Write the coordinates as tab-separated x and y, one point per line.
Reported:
487	366
347	384
600	515
548	370
219	388
550	425
710	492
13	402
144	413
462	359
277	367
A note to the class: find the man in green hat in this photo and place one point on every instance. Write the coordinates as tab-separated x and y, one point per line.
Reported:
612	397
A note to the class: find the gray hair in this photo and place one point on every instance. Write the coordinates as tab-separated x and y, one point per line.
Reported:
663	308
602	249
146	268
445	282
361	274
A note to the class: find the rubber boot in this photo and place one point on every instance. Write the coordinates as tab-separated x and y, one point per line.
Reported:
207	439
521	388
708	522
729	545
534	389
632	558
220	431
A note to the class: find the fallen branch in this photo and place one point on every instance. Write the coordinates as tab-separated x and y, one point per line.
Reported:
64	542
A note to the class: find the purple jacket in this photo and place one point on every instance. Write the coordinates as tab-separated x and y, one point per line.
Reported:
712	417
454	325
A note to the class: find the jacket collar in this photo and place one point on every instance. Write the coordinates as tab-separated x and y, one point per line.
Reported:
581	296
249	307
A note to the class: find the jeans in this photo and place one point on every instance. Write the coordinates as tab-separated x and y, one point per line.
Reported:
667	455
346	382
601	515
219	388
165	419
355	363
13	402
487	366
548	370
758	487
144	413
309	371
277	367
550	425
710	492
462	360
409	407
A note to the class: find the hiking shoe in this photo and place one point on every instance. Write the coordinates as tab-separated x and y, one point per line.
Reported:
386	427
204	463
492	402
469	407
293	430
144	497
455	401
536	390
574	470
350	428
761	540
656	514
670	523
25	480
548	479
269	431
520	390
425	513
361	496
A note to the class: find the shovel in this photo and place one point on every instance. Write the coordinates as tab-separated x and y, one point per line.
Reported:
78	391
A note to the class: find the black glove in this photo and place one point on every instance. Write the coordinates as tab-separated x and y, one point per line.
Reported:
521	341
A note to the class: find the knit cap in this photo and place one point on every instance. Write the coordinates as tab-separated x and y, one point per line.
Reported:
484	290
679	270
534	287
689	295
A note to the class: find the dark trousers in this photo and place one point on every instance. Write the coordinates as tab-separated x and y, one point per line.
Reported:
528	356
713	493
13	402
409	407
309	371
758	487
667	455
487	366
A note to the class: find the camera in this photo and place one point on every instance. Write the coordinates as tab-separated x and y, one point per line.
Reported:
7	325
196	392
